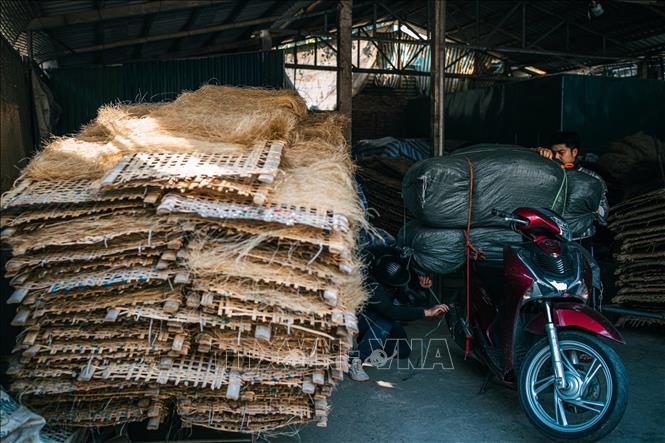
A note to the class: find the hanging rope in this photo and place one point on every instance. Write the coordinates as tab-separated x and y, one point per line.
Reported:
477	255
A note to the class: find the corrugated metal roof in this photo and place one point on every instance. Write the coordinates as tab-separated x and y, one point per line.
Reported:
630	28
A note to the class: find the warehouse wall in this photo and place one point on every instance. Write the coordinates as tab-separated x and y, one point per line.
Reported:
16	143
80	91
384	111
601	109
15	114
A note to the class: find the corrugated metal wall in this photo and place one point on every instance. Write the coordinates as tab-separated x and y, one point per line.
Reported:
80	91
600	109
16	136
15	144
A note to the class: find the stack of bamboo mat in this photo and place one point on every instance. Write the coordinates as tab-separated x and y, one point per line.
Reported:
195	256
639	226
381	179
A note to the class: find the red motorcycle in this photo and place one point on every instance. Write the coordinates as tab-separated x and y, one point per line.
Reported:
529	322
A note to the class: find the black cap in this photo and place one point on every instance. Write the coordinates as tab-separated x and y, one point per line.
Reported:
390	269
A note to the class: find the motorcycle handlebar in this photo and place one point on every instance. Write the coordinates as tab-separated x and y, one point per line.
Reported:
502	214
509	217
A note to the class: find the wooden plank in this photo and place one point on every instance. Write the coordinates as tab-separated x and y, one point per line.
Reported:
344	65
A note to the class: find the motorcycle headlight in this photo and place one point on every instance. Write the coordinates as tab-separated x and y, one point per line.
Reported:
581	291
563	227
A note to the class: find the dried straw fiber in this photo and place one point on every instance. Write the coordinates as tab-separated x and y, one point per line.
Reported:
201	250
639	226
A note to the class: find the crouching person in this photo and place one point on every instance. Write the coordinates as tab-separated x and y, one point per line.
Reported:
396	293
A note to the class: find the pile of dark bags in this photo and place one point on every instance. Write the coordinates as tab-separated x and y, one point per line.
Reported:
505	177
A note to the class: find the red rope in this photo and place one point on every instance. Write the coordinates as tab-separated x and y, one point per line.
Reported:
477	255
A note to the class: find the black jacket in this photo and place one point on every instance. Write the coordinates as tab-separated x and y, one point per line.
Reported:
381	302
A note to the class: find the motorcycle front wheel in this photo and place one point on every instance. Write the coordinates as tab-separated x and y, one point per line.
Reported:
596	392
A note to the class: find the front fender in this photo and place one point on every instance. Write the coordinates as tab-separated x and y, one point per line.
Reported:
576	315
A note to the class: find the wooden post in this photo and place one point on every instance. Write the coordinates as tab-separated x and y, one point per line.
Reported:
344	59
437	74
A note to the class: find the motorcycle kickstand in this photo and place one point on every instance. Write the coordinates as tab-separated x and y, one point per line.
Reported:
486	383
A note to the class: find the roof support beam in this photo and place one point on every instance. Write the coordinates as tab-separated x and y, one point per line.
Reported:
499	25
406	72
617	43
271	10
145	31
189	24
527	51
233	15
172	35
253	44
99	34
401	20
58	21
291	14
514	38
545	35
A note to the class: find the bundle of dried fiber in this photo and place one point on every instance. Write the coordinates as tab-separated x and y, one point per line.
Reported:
235	115
202	250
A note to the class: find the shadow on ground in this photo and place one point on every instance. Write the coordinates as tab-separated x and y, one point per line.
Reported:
398	405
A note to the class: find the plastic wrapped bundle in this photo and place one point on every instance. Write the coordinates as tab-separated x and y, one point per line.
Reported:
584	193
490	241
441	251
505	177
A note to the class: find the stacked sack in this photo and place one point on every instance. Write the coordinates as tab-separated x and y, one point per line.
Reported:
189	257
638	225
504	177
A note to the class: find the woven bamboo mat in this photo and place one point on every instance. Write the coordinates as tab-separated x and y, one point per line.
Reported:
295	349
177	283
639	226
142	168
273	213
29	193
61	212
140	246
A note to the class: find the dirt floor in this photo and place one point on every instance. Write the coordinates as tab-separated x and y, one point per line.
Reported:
399	405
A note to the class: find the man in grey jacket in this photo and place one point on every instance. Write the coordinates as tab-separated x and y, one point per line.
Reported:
565	148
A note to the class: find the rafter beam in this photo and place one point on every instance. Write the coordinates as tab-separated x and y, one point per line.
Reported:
503	20
172	35
401	19
75	18
513	38
526	51
290	14
99	33
189	24
406	72
534	43
145	32
251	44
582	27
233	15
270	11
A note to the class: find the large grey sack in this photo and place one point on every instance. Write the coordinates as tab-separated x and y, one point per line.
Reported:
442	251
505	177
491	241
584	193
439	251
